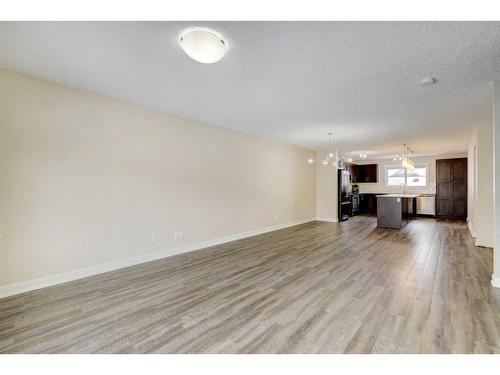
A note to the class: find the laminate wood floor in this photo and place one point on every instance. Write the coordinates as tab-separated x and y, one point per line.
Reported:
313	288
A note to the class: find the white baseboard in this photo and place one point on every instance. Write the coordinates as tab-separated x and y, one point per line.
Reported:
482	244
330	220
477	241
495	281
471	230
43	282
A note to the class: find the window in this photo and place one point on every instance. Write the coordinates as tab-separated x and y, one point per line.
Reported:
417	177
397	176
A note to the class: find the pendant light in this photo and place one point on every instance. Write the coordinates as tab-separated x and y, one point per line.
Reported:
332	157
407	158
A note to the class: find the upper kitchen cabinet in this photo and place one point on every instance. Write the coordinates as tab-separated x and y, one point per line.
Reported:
362	173
353	170
367	173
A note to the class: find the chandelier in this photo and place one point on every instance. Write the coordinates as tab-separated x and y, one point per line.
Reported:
332	157
407	158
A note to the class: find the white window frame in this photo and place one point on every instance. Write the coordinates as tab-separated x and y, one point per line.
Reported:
386	177
418	165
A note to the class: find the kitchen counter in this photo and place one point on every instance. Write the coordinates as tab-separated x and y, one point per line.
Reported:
366	203
392	209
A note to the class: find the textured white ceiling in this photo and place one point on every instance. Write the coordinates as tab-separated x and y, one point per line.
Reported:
290	81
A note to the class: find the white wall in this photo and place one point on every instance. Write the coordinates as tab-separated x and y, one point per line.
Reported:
496	168
480	185
472	184
381	185
87	180
326	191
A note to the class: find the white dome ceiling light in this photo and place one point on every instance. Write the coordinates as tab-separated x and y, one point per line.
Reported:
203	46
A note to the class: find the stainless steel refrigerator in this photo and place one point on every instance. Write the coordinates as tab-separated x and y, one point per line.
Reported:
344	178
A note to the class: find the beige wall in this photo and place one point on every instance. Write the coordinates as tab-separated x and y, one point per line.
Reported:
87	180
326	191
480	185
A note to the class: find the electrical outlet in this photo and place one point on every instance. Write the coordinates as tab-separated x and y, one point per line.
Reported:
181	234
275	217
153	238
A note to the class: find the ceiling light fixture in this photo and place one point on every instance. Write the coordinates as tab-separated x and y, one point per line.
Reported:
407	159
203	46
428	81
332	157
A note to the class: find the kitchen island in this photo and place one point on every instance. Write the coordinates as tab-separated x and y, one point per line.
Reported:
393	209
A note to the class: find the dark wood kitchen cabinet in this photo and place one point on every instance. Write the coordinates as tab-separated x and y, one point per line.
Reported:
362	172
368	203
367	173
353	170
451	188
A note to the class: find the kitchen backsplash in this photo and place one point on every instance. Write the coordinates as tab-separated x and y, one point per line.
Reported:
382	188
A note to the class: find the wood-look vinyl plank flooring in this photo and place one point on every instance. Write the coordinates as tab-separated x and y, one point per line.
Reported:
314	288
